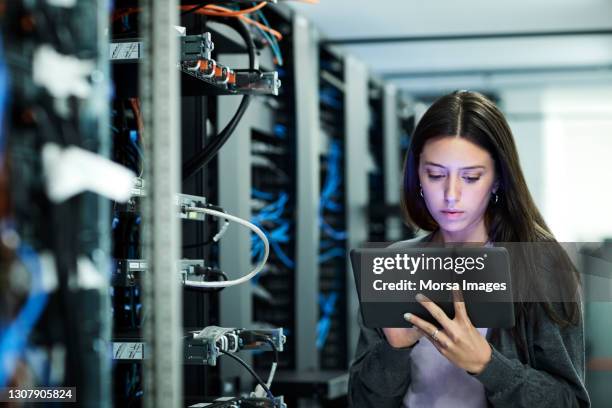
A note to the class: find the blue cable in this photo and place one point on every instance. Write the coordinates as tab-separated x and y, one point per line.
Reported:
133	139
280	131
282	256
273	210
274	237
332	182
331	254
261	194
329	100
273	47
271	213
13	339
270	38
328	306
331	232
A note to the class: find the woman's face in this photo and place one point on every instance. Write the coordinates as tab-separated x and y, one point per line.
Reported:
458	178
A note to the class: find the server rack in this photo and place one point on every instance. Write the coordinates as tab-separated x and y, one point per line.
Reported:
53	235
377	171
261	161
146	127
406	122
343	219
274	200
356	76
331	329
205	108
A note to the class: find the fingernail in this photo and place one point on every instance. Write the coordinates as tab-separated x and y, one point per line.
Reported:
420	297
407	316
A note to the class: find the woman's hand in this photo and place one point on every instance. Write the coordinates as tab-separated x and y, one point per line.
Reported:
402	337
458	340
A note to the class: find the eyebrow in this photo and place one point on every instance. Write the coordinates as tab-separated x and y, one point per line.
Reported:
462	168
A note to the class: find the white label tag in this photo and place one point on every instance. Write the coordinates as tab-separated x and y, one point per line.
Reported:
125	50
128	351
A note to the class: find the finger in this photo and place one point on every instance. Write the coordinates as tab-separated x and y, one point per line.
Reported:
436	312
429	329
458	301
441	346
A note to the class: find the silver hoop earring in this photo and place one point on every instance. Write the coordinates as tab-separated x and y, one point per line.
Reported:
496	198
421	192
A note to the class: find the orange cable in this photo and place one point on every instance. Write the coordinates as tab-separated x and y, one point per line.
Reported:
227	12
272	31
211	10
217	11
124	12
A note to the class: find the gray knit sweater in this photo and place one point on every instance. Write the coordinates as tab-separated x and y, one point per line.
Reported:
549	374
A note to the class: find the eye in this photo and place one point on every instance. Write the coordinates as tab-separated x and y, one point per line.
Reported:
472	179
435	176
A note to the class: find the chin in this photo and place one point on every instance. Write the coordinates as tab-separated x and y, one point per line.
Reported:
452	226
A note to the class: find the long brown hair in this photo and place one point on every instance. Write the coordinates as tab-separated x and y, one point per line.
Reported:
514	217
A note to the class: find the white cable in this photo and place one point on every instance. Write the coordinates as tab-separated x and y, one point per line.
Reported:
245	223
221	232
271	375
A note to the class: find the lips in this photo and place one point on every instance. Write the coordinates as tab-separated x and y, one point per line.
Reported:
452	214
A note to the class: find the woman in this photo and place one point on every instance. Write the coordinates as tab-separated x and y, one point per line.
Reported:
463	182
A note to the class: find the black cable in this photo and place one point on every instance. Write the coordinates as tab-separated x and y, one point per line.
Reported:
196	8
219	272
271	343
198	244
250	370
194	164
209	272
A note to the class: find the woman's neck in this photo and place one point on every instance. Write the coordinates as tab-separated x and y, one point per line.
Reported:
477	234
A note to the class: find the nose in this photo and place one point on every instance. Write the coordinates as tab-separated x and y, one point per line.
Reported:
452	194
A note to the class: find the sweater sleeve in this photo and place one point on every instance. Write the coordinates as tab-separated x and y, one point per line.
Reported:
556	378
380	374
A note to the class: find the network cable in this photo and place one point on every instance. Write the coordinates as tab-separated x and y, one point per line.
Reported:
272	42
218	235
272	213
332	253
13	339
228	13
245	223
328	305
201	158
332	183
274	363
251	371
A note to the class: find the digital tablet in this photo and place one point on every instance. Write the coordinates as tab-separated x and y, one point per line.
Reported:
387	281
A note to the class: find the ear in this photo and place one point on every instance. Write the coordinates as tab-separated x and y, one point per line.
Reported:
495	186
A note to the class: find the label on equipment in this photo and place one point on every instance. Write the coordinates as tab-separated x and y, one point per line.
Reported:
125	50
128	351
